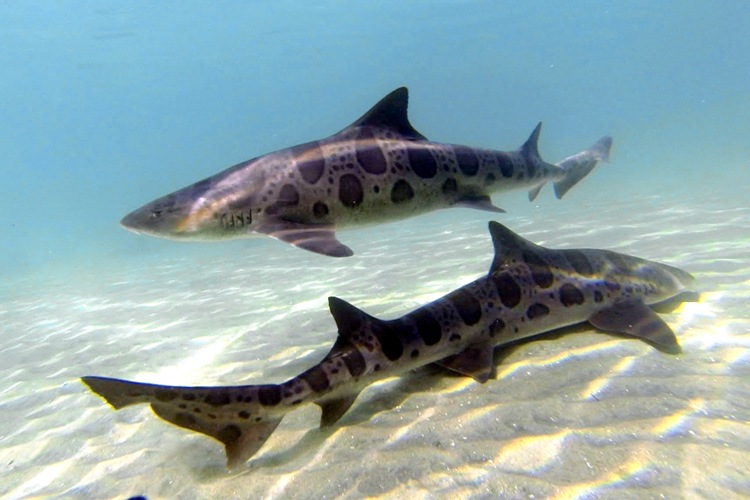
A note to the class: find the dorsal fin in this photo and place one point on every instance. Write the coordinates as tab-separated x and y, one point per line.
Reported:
391	113
348	318
508	246
530	148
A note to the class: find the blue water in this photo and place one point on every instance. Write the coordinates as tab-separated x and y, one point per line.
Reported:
107	105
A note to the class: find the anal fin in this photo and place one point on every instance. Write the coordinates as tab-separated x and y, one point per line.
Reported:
534	192
481	202
334	409
476	361
634	317
241	440
315	238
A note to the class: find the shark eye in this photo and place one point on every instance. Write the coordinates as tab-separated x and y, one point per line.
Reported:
156	214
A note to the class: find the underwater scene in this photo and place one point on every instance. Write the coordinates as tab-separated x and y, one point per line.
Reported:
499	249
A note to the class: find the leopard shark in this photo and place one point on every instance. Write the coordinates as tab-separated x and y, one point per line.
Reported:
378	169
529	290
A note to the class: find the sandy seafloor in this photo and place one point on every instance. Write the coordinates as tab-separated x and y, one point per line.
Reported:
580	415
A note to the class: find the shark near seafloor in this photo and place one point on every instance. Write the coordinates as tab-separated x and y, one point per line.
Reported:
529	290
375	170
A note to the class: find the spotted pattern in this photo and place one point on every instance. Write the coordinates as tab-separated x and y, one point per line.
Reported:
496	327
401	192
369	156
467	305
467	160
165	395
422	162
269	395
598	296
316	378
580	262
449	187
217	398
351	193
537	310
507	289
570	295
229	434
428	327
310	162
320	210
506	165
355	362
390	343
288	195
540	271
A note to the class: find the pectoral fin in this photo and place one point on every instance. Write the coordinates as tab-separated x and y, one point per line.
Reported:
633	317
315	238
476	361
334	409
479	203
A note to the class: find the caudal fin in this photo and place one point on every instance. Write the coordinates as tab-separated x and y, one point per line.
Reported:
235	416
579	165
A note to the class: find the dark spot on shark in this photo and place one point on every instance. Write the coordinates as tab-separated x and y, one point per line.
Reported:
243	415
182	406
428	327
467	305
505	164
530	169
316	378
229	434
570	295
165	395
188	397
376	189
401	191
217	398
320	210
369	156
489	178
422	162
355	362
269	395
310	162
350	191
537	310
454	337
598	296
184	420
415	353
496	327
467	160
507	289
450	187
579	261
288	196
540	271
390	343
612	286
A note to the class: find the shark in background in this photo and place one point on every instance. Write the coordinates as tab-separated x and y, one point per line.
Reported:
377	169
529	290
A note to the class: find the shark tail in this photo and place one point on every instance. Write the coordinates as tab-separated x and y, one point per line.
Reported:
578	166
213	411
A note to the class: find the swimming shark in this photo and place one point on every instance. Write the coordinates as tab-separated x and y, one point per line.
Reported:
529	290
375	170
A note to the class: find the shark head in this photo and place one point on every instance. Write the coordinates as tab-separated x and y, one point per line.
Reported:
206	210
